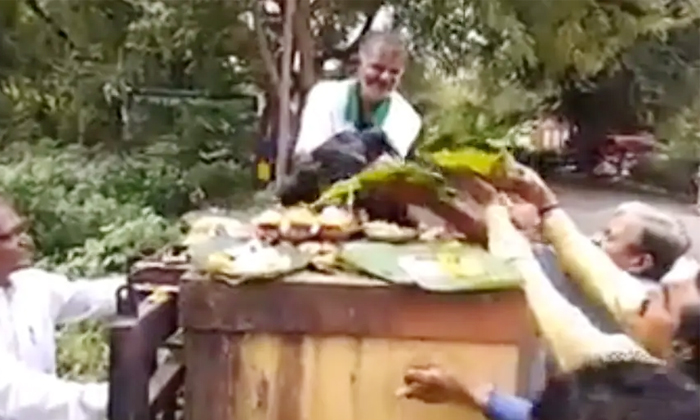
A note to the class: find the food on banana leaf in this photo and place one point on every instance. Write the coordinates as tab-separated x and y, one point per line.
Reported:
207	227
389	232
299	224
324	255
337	223
439	233
252	260
269	219
392	177
267	224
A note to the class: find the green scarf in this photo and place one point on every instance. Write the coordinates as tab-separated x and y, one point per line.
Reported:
353	110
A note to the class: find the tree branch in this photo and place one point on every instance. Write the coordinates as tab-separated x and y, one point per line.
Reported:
347	52
305	45
264	45
60	32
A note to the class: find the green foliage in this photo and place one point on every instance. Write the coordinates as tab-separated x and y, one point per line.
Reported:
616	65
83	352
91	211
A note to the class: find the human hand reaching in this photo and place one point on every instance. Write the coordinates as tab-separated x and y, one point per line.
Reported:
526	183
434	385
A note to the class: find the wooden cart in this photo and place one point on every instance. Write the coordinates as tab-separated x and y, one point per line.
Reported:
140	386
307	347
315	347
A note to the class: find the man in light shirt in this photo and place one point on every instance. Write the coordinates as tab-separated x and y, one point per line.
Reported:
32	303
347	125
367	101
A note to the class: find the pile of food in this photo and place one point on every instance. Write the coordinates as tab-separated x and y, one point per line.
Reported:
333	234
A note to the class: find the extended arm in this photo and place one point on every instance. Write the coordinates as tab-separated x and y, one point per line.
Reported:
570	335
82	299
586	263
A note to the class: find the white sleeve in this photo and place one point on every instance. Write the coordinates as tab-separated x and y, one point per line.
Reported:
316	120
402	125
82	299
28	394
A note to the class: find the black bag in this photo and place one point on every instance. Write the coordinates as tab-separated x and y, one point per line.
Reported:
340	157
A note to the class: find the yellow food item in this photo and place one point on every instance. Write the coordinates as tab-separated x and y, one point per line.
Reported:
268	218
250	260
335	217
159	295
300	216
387	231
218	262
208	227
460	265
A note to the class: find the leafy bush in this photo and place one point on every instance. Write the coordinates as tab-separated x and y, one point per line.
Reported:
458	117
91	211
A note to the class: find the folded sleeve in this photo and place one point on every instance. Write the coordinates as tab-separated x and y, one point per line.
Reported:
28	394
572	338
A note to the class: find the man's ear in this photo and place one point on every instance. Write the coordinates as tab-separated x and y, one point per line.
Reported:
646	262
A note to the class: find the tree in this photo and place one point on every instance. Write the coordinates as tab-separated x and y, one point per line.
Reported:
605	64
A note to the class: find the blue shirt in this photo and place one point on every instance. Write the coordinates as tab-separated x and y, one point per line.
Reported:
507	407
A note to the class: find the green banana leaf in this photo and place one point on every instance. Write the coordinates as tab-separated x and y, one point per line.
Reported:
300	261
377	259
423	265
471	160
396	173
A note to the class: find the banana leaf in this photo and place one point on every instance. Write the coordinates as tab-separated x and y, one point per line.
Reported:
453	267
376	259
211	257
471	160
396	175
438	267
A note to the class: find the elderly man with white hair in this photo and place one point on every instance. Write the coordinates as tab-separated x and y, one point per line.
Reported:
641	240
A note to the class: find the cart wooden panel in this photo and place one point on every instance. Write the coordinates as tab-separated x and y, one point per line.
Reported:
316	347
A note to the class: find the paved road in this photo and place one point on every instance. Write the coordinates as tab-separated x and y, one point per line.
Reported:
592	207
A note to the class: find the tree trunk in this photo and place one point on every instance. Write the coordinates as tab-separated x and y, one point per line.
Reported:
305	45
285	136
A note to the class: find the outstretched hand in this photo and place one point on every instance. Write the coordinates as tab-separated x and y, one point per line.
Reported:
524	215
432	384
526	183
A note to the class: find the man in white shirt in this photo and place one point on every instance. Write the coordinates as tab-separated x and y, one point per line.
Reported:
346	125
32	303
368	101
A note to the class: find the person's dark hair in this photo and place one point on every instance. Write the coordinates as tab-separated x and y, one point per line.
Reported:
687	340
662	236
389	39
619	391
